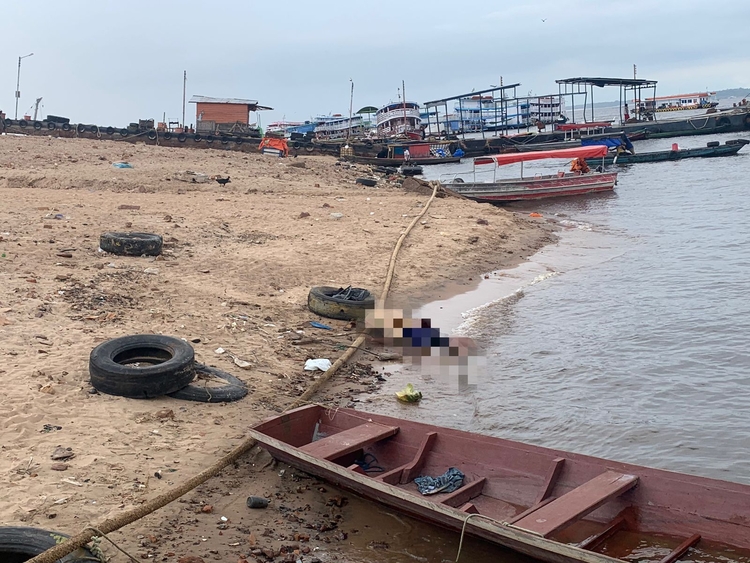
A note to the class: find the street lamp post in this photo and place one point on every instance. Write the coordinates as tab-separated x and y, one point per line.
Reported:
18	82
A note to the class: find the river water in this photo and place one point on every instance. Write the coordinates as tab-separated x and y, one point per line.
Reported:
629	338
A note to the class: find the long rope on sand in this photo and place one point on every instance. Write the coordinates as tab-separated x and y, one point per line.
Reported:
128	517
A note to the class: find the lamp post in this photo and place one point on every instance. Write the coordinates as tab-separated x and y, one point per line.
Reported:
18	82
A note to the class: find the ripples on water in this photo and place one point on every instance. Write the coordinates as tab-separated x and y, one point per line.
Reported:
629	338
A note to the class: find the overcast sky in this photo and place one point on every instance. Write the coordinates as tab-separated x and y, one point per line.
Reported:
110	63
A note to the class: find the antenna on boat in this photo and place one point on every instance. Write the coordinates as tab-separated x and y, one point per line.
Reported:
351	101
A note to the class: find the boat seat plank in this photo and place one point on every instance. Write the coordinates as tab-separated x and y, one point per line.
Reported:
465	493
348	441
681	549
531	509
577	503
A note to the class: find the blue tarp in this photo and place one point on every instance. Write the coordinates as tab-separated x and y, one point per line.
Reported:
611	142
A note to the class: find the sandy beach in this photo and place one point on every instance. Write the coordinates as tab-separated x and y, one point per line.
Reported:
237	266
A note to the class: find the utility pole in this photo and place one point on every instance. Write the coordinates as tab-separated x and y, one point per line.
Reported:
351	101
184	87
18	82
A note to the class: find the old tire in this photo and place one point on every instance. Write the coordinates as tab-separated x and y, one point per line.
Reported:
712	144
94	128
8	122
209	139
51	125
23	124
197	138
37	125
124	132
723	122
66	126
152	134
234	390
181	137
169	366
110	130
369	182
321	302
131	244
239	140
225	140
19	543
166	136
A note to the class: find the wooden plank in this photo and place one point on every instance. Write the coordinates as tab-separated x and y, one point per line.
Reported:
405	473
577	503
413	469
680	550
391	477
348	441
551	480
469	508
357	469
531	509
465	493
593	542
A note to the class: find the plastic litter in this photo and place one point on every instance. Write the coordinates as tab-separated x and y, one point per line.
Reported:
316	324
448	482
322	364
409	395
122	165
351	294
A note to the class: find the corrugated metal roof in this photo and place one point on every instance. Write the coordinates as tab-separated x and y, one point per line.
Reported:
209	100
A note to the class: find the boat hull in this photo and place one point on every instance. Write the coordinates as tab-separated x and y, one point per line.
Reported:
536	188
661	156
396	162
511	483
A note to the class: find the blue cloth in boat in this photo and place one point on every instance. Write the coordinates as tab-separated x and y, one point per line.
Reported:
448	482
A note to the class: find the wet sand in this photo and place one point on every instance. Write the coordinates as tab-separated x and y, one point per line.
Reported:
238	262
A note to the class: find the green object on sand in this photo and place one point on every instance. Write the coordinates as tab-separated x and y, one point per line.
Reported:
408	394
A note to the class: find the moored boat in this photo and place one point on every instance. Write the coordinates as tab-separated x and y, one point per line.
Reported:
556	506
393	154
680	102
401	118
531	187
729	148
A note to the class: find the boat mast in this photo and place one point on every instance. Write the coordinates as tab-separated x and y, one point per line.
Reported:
403	93
351	101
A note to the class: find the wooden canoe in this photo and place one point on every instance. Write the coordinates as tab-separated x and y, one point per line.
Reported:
728	149
553	505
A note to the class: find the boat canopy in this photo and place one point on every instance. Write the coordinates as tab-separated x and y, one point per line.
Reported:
511	158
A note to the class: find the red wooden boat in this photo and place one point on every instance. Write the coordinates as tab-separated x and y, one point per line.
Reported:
532	187
552	505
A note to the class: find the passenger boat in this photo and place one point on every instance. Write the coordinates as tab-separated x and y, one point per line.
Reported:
729	148
680	102
531	187
552	505
401	118
336	126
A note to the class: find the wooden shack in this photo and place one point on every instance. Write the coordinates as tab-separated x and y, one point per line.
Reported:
224	115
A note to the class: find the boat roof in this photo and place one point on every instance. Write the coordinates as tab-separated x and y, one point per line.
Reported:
252	104
471	94
694	95
593	151
601	82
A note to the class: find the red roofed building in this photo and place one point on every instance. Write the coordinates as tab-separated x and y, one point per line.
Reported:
224	115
